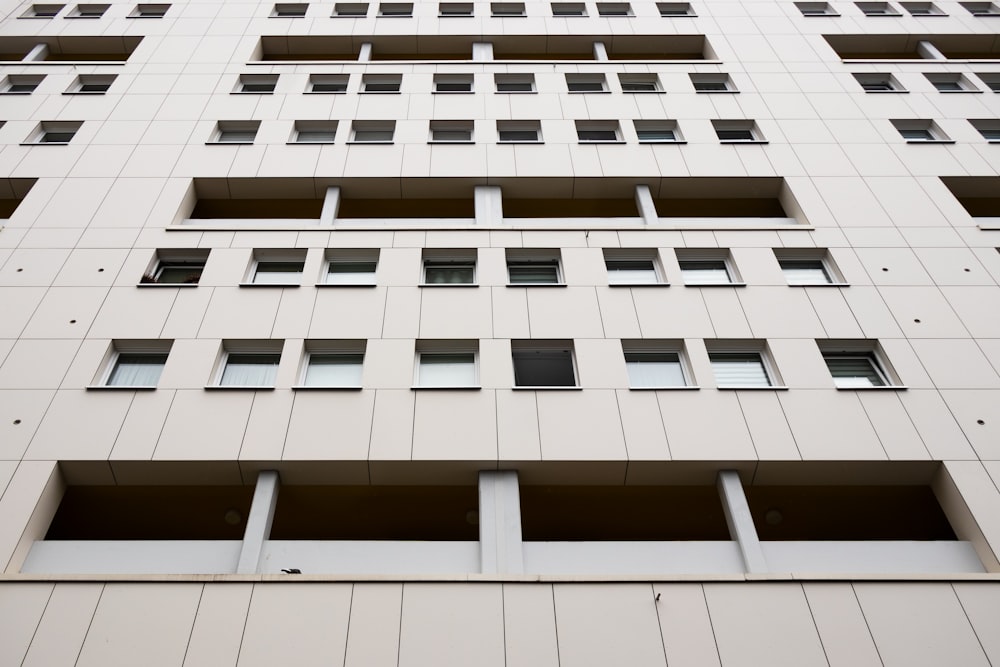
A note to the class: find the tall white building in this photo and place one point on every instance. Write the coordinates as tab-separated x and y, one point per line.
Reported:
510	333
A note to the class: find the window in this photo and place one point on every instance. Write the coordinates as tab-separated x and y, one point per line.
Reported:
922	9
451	131
877	9
533	267
989	128
639	83
55	132
373	131
381	83
854	371
88	11
257	83
879	83
250	364
807	266
631	267
395	9
712	83
738	364
981	8
519	132
176	267
951	83
514	83
449	267
586	83
42	11
503	9
919	131
277	267
991	79
333	363
351	266
597	131
450	363
350	10
236	132
569	9
315	131
540	364
91	84
149	12
737	131
654	364
816	9
20	84
672	9
136	364
328	83
614	9
711	266
289	10
453	83
657	131
455	9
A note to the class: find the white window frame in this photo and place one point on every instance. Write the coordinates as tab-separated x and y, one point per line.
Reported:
872	83
714	255
522	79
987	127
83	80
720	350
449	258
12	81
348	256
395	10
868	350
878	9
362	128
922	9
42	11
120	349
458	9
174	259
439	129
235	133
264	257
786	257
657	126
811	9
532	257
561	347
455	80
149	11
53	129
350	10
568	9
296	10
961	82
328	80
350	352
392	81
441	351
607	128
251	80
615	9
315	132
981	8
649	78
650	349
511	126
673	10
738	126
700	81
247	348
933	133
586	79
88	10
505	10
634	256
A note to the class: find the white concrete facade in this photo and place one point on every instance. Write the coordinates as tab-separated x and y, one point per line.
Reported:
541	333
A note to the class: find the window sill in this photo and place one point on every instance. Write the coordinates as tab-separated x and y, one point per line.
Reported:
820	16
463	142
717	92
878	16
522	143
84	92
433	285
959	92
144	17
759	142
229	143
516	92
312	387
162	285
309	143
47	143
683	387
458	387
589	92
106	387
16	92
547	388
379	92
325	92
85	18
887	92
638	284
753	387
820	285
369	143
888	387
452	92
237	387
536	284
270	285
346	285
930	141
647	143
598	143
715	284
250	92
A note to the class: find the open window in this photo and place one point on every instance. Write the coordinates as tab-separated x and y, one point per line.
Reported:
542	364
808	266
175	267
281	268
631	267
857	364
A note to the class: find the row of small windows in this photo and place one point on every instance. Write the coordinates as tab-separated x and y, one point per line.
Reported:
467	9
94	11
525	267
889	9
537	364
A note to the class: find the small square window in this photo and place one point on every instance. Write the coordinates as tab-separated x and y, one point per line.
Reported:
657	131
597	131
922	9
453	83
451	131
674	9
736	131
289	10
981	8
614	9
514	83
88	11
373	131
149	12
712	83
235	132
55	132
877	9
176	267
991	79
805	271
20	84
42	11
919	131
639	83
277	273
351	267
257	83
315	131
328	83
455	9
250	365
857	364
569	9
381	83
654	364
586	83
533	267
447	364
91	84
507	9
631	267
879	83
334	364
816	9
395	9
350	10
951	83
543	363
989	128
519	132
739	370
449	267
136	364
706	267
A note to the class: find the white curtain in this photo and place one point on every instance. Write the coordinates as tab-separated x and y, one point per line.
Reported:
137	370
250	370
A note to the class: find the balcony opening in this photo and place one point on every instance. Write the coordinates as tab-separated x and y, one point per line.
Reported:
257	208
12	193
907	47
366	208
978	195
569	208
70	49
723	198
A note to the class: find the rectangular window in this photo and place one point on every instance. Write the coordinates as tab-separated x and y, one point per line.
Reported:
42	11
381	83
597	131
447	364
988	127
453	83
991	79
614	9
455	9
236	132
328	83
657	131
373	132
395	9
854	371
250	369
533	268
514	83
315	131
807	267
350	9
289	10
277	273
569	9
649	369
515	132
351	267
149	12
951	83
449	267
257	83
20	84
710	266
91	84
816	9
334	363
739	369
586	83
736	131
639	83
54	132
673	9
631	267
88	11
176	267
712	83
451	131
137	364
919	131
540	364
506	9
981	8
922	9
877	9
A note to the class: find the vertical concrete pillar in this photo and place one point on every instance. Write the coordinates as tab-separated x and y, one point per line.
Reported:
482	51
929	52
331	205
38	53
741	528
489	205
366	52
600	51
644	202
265	499
500	544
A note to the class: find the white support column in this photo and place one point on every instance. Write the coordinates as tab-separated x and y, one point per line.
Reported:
265	498
929	52
500	523
489	205
644	202
366	52
331	205
38	53
482	51
741	528
600	51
